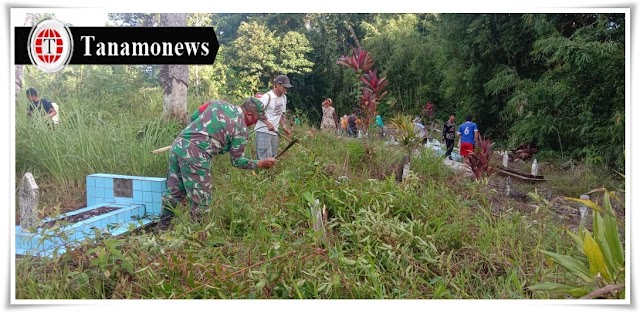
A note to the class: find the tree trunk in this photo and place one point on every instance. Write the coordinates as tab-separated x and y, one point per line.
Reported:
174	78
28	21
355	38
19	78
197	82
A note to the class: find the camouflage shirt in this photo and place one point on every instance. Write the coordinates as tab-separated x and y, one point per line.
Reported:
219	129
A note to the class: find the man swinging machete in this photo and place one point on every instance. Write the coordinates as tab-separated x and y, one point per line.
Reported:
220	128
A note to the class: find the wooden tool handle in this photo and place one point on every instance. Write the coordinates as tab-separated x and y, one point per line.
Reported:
161	149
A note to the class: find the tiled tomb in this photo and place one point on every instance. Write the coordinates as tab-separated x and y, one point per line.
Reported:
131	202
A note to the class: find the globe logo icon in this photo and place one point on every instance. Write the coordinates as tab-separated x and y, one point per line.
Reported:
50	45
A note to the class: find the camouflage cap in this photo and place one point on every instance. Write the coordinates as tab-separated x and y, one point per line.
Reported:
255	105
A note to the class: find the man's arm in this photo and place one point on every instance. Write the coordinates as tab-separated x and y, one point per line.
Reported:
476	135
266	99
283	123
52	112
48	107
238	141
444	132
270	126
283	118
238	159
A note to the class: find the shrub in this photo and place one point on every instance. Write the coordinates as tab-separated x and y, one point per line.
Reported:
480	159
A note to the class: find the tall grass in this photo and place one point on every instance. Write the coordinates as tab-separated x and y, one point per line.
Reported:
434	235
91	140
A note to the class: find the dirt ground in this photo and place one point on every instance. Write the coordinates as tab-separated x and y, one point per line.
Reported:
550	201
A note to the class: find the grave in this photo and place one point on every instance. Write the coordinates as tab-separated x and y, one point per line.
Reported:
115	204
441	149
28	201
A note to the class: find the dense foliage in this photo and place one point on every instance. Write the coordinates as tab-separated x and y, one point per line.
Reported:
555	80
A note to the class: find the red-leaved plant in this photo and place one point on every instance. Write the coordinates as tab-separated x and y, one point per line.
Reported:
360	61
429	109
370	86
480	159
372	93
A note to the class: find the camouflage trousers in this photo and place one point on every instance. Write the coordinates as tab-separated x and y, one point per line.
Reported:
189	177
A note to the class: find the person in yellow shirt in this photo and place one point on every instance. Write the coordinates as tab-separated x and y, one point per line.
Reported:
343	124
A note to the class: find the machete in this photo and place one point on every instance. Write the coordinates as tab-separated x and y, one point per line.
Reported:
287	147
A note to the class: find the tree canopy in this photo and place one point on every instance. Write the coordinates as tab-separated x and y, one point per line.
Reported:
556	80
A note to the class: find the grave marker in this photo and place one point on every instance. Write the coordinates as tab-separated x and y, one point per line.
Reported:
28	202
505	159
584	211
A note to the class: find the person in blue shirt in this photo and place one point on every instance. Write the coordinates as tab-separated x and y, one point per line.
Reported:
469	133
35	103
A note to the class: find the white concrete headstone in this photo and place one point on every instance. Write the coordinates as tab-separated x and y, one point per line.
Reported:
534	168
28	202
505	159
405	170
584	211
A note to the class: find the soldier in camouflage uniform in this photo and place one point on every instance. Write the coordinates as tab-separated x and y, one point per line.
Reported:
220	128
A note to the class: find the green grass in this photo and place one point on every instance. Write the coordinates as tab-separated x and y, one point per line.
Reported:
91	141
434	235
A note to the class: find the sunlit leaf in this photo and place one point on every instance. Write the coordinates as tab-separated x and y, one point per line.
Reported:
596	259
588	203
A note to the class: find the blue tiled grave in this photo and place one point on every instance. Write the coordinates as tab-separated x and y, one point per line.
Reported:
440	150
133	202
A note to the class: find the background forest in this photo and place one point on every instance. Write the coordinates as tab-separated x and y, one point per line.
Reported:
554	80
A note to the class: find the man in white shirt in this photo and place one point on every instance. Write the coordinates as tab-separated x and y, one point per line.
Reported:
275	102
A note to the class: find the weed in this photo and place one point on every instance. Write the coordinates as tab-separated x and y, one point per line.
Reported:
604	276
